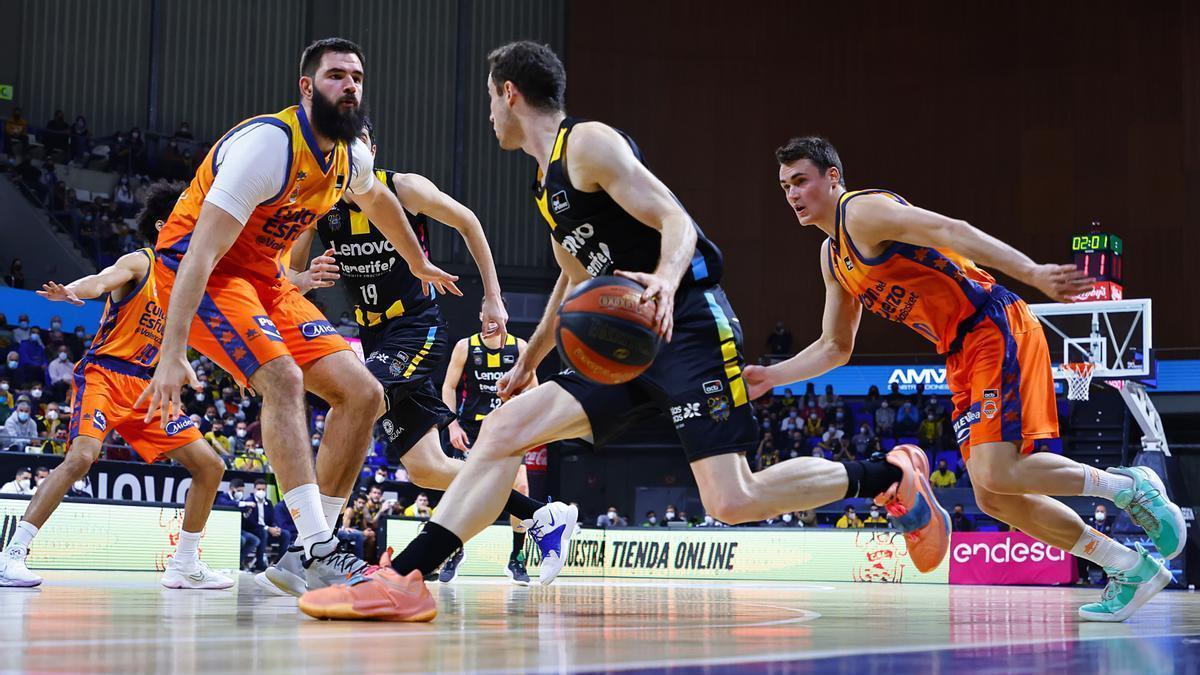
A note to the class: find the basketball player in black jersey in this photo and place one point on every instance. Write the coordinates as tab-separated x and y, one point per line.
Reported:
608	214
403	333
476	365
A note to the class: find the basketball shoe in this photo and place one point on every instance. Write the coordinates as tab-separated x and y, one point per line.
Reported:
915	510
552	527
450	567
1127	590
516	572
383	596
286	576
333	566
1147	504
195	574
13	571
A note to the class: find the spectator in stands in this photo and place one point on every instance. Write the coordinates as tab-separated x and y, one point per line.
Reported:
57	443
123	198
872	401
420	508
16	131
21	484
780	340
19	429
789	520
814	426
137	151
773	521
861	442
885	419
832	440
798	449
614	519
790	422
844	453
283	521
23	329
768	454
960	521
907	420
942	478
806	518
208	420
237	498
184	132
651	519
895	398
51	420
16	276
251	458
81	140
60	372
77	340
237	442
849	520
811	408
315	441
960	472
358	528
57	135
119	153
829	399
875	519
319	423
930	432
788	399
6	332
669	516
1102	523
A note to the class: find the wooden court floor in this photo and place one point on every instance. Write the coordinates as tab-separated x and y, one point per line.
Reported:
82	622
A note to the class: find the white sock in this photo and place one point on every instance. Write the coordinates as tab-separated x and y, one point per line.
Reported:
188	548
305	504
1097	483
332	507
24	534
1103	551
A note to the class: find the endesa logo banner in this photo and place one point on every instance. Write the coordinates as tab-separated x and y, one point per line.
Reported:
1007	558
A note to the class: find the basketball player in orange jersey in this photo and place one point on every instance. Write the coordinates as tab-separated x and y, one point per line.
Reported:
607	214
107	380
918	268
223	282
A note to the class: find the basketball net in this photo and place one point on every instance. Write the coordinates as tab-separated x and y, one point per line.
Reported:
1079	379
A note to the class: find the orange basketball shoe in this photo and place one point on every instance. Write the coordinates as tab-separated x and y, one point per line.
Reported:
383	596
915	510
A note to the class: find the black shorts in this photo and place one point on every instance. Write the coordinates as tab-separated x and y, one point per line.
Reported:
696	379
403	355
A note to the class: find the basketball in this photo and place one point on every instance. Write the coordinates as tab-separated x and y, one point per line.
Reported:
605	333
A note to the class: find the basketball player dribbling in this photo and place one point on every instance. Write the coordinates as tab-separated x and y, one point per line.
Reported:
106	381
918	268
609	214
222	279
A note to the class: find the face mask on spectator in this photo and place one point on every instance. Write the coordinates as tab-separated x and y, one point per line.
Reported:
24	324
863	429
787	517
52	415
258	451
241	433
380	477
883	404
55	325
612	515
874	513
840	414
652	520
1101	515
80	485
79	333
22	417
237	496
812	416
261	494
13	364
36	393
199	396
670	514
320	424
62	356
316	442
23	484
3	386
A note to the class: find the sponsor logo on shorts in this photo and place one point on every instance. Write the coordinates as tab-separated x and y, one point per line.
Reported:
177	425
718	408
558	201
99	420
315	329
393	432
714	387
396	369
687	411
990	408
962	425
267	326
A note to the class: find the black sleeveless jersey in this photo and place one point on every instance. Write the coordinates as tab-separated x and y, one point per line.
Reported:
482	370
376	278
600	234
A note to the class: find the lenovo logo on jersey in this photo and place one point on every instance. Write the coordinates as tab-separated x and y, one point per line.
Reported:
316	329
177	425
1008	551
363	248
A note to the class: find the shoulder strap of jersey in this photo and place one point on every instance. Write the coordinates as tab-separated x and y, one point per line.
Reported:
509	340
475	340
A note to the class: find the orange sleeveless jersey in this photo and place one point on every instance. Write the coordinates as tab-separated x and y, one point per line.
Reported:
131	328
935	291
315	183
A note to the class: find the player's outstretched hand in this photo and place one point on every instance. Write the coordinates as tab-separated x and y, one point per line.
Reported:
163	392
662	293
515	381
458	437
56	292
322	272
432	275
758	381
494	318
1061	283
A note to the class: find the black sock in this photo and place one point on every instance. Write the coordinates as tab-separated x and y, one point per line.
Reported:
869	478
432	545
518	544
521	506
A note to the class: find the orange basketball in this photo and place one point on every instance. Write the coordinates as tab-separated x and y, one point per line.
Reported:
605	333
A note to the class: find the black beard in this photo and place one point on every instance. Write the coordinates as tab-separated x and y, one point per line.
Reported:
332	123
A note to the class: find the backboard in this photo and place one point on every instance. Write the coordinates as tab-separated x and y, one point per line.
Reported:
1113	334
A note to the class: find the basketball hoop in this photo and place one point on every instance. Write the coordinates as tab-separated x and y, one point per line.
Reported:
1079	379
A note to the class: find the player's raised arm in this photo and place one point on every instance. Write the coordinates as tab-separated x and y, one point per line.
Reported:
380	205
126	271
320	272
524	372
839	325
454	370
422	196
601	159
877	219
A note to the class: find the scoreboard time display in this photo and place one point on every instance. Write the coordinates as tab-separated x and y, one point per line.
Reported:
1099	254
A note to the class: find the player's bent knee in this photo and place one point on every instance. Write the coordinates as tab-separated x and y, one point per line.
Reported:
280	379
502	435
989	502
733	507
80	460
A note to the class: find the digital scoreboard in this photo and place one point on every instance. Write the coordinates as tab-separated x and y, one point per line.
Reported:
1099	254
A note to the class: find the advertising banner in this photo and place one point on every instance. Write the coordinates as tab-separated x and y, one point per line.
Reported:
125	537
1008	558
727	554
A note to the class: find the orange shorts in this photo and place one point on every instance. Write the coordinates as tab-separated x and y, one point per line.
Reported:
242	324
1001	381
104	390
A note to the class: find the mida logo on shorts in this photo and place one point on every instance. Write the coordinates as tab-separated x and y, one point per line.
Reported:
268	328
315	329
99	420
177	425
